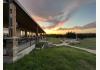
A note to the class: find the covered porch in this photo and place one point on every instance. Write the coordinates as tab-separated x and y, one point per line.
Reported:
22	32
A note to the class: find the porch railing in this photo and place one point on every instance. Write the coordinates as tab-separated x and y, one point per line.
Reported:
21	44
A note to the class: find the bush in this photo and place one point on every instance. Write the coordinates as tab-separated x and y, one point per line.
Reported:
40	44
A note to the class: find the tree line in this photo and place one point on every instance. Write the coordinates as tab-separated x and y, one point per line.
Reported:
73	35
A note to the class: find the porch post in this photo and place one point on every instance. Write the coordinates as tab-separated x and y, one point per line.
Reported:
37	34
12	41
25	33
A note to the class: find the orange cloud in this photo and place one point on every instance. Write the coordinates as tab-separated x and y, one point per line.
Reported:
36	18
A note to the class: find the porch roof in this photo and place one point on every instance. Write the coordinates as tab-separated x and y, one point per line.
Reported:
24	20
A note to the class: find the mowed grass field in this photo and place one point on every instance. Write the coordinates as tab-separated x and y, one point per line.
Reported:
89	43
54	40
59	58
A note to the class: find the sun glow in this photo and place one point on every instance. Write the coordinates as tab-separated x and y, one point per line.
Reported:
91	30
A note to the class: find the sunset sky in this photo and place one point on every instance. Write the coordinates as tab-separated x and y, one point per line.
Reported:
61	16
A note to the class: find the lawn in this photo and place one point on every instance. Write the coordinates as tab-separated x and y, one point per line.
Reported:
54	40
59	58
89	43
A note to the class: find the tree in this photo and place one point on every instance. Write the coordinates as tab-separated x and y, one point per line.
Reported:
71	35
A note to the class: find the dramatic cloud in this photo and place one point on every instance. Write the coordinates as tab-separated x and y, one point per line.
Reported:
87	26
56	12
91	25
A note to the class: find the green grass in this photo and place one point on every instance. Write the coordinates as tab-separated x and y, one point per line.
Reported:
61	58
54	40
89	43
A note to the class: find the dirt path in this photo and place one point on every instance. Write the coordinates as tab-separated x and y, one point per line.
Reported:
66	44
88	50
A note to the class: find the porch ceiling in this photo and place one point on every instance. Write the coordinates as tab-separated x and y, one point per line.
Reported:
24	21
